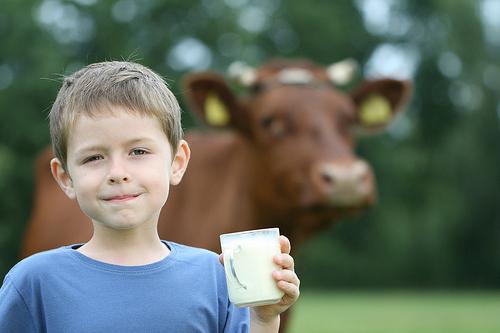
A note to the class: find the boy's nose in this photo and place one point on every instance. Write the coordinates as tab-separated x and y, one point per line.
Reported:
117	174
116	180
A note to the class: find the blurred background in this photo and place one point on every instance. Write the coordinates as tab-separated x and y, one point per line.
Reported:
434	235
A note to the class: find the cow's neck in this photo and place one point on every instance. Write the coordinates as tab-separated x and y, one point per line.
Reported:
273	211
213	197
296	225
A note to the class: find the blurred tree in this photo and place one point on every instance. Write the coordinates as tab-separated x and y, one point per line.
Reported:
437	223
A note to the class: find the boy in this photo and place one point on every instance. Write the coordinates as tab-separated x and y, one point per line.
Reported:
117	138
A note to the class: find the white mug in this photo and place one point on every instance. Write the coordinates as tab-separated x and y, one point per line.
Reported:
248	263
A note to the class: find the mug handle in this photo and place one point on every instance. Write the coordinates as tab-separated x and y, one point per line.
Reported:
231	253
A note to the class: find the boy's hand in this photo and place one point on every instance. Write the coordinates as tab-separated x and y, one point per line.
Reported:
286	280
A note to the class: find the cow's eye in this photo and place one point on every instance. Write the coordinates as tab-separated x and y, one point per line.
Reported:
275	126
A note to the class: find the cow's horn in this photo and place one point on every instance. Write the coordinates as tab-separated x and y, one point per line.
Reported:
343	71
242	73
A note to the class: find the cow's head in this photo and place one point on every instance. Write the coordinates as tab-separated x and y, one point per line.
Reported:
302	130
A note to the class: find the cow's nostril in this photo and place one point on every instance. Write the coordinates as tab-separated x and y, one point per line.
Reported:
327	179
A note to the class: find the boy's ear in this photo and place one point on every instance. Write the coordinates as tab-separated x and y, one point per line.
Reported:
62	178
179	162
378	102
210	98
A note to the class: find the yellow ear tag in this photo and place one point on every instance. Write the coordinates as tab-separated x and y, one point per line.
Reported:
375	111
215	111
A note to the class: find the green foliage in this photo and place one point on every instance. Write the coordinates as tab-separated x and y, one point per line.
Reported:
437	222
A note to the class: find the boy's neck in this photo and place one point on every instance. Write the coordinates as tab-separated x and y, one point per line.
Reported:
125	247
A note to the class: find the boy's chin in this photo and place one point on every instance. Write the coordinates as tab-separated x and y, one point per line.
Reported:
118	226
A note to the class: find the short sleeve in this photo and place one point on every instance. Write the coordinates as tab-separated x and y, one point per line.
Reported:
14	314
237	319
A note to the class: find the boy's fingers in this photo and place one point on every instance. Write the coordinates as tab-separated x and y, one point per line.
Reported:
291	291
287	276
221	259
285	244
285	260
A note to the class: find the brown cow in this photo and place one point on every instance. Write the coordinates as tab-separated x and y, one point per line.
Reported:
287	161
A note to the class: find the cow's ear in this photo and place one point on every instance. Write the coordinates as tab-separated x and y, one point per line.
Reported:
377	102
211	99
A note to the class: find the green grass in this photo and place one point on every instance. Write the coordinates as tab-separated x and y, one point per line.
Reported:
396	312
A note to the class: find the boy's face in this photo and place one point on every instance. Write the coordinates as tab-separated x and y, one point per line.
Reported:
120	166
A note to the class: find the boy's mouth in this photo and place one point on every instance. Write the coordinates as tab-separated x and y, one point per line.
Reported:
120	198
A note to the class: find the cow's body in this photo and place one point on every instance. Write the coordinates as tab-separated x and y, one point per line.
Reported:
228	183
288	161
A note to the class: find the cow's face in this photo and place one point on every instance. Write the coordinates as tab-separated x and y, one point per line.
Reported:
305	146
302	132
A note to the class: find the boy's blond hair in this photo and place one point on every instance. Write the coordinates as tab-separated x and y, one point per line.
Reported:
99	87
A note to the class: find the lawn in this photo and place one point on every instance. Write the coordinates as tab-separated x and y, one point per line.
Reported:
396	312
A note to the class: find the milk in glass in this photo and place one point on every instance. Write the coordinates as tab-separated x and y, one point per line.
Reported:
248	263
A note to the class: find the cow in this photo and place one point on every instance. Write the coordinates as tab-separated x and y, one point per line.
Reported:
279	154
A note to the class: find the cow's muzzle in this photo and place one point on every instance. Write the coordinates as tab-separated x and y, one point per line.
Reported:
346	184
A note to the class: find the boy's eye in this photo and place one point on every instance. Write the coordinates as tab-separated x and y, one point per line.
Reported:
139	151
93	158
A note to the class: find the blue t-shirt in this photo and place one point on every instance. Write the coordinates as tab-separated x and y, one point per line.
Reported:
65	291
